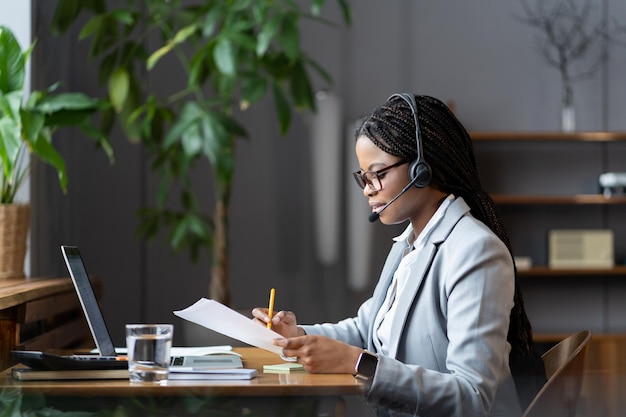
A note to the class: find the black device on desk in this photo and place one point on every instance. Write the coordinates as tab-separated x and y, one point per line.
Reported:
51	362
107	357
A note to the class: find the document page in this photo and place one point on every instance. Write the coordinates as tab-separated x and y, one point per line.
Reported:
217	317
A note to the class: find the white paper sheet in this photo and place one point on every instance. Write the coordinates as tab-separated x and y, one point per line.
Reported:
202	350
217	317
188	350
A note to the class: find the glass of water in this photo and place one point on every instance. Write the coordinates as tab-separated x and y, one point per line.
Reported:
149	348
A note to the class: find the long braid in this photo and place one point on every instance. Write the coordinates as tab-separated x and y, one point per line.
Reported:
448	149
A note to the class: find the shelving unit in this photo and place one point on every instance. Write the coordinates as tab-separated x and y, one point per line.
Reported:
547	198
549	180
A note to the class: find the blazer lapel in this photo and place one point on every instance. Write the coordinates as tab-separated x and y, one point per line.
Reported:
409	292
407	297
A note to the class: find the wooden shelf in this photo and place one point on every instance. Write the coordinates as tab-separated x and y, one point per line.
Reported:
544	271
548	136
591	199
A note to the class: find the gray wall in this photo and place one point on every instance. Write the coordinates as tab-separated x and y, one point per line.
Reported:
472	53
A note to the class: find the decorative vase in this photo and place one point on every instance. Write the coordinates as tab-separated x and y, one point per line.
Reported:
568	118
14	223
568	112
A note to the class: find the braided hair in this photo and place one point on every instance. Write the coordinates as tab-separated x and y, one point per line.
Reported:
448	149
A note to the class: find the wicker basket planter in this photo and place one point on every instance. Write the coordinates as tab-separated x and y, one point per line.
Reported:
14	223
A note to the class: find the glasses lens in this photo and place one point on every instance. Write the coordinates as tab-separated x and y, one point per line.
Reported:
372	178
367	178
359	179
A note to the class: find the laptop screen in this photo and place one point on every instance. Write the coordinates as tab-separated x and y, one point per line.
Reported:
88	300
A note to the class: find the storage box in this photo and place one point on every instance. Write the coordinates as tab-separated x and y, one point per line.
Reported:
581	248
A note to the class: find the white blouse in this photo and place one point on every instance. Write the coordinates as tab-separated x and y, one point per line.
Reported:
385	315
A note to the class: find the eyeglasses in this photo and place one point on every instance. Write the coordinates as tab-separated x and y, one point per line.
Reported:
372	178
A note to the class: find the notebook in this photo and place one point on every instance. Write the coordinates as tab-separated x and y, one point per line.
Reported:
107	357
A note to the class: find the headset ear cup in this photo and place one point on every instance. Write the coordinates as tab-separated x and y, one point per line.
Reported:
420	173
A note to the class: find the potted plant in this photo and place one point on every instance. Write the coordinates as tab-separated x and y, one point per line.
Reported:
231	54
28	122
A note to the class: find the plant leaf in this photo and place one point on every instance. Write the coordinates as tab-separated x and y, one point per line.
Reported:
10	105
92	27
10	143
12	64
192	140
158	54
189	115
183	34
43	148
282	109
64	14
301	89
346	11
289	36
316	7
199	68
32	124
118	88
210	21
224	56
180	37
67	101
268	32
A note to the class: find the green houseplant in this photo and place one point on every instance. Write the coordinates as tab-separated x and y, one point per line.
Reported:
229	54
27	124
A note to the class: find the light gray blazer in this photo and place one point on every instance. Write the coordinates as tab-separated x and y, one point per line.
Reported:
450	355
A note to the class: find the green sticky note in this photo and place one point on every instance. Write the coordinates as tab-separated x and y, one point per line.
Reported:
283	368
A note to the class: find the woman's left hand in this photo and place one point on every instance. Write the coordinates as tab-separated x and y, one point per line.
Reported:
321	354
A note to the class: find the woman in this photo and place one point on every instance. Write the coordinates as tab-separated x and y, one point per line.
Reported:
445	332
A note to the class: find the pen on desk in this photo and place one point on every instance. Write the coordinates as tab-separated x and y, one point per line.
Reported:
270	310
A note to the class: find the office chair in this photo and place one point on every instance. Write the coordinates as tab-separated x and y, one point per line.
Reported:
564	365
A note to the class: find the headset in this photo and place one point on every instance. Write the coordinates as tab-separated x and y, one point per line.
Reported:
420	173
419	170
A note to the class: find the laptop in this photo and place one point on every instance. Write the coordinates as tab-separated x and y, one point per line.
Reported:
107	357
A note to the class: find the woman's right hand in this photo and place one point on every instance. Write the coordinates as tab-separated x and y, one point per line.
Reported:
283	322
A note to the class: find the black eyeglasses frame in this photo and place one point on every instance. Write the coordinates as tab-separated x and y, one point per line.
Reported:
362	180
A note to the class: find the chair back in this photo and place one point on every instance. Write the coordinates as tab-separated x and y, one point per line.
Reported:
564	365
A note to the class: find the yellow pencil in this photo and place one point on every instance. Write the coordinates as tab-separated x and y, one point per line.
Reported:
270	310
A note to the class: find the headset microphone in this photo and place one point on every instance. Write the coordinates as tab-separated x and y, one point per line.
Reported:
376	214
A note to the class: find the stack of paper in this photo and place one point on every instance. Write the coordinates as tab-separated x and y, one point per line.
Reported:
211	374
283	368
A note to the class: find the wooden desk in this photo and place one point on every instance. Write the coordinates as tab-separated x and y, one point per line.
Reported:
267	394
38	314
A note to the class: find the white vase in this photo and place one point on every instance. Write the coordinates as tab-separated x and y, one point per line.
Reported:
568	118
